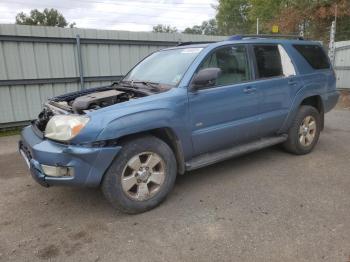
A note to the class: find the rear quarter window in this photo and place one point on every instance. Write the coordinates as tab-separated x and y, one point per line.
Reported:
314	55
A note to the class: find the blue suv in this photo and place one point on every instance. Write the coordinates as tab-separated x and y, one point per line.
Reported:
180	109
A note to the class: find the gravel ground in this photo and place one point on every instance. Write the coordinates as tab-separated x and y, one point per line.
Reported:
265	206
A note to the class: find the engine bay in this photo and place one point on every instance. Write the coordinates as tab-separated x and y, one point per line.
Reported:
93	99
82	102
97	100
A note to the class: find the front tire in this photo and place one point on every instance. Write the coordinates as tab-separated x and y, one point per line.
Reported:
141	176
304	133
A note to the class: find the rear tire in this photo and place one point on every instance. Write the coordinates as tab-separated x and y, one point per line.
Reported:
141	176
304	133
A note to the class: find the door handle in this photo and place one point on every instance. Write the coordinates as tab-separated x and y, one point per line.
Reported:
292	82
249	90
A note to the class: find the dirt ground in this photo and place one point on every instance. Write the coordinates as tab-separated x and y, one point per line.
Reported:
265	206
344	100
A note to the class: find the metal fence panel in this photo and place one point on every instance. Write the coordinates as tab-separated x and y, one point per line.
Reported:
342	64
40	62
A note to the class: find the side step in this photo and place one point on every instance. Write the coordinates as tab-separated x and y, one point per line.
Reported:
211	158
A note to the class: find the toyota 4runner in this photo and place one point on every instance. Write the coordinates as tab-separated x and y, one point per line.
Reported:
180	109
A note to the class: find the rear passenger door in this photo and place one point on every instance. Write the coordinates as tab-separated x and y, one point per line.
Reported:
275	79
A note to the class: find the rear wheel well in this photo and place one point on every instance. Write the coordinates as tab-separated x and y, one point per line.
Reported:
169	137
316	102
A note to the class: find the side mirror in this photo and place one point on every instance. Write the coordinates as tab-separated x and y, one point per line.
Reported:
206	77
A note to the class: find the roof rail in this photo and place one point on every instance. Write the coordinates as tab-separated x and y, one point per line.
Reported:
195	43
241	37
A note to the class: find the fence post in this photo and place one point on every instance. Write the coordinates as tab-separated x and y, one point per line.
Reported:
80	63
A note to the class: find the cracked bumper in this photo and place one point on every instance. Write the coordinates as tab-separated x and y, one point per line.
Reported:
89	163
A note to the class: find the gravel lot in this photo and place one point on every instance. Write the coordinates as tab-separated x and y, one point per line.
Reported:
265	206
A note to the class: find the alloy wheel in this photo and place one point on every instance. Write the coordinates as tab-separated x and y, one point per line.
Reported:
307	131
143	176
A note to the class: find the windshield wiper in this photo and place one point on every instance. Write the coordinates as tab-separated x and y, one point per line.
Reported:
153	85
128	83
134	84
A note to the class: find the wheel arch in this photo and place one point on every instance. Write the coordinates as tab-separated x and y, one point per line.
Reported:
167	135
304	98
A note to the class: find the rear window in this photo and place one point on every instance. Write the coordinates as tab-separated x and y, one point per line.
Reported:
314	55
268	61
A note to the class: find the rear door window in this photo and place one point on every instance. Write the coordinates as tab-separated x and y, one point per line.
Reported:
314	55
268	61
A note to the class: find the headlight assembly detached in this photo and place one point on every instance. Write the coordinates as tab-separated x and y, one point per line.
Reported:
65	127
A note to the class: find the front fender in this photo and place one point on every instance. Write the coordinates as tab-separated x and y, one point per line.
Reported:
138	122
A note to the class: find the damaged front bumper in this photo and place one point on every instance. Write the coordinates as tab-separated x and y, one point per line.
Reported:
86	165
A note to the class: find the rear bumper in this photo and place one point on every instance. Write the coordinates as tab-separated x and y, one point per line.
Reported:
89	163
330	100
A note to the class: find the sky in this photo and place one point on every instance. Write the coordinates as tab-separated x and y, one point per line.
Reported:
130	15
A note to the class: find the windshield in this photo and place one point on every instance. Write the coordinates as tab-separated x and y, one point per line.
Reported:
164	67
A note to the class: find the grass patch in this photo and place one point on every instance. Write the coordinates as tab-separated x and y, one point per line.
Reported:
10	131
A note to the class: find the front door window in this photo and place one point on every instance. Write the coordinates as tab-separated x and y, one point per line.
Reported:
233	62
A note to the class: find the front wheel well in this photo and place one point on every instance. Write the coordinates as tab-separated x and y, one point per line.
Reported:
316	102
169	137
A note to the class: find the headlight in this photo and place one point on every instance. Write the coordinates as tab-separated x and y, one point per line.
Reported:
65	127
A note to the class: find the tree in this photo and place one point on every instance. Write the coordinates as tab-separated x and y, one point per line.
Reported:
232	16
209	27
314	17
265	10
49	17
194	30
164	29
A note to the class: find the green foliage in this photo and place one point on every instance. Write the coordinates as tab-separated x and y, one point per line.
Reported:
209	27
232	16
49	17
10	131
164	29
265	10
314	16
195	30
343	29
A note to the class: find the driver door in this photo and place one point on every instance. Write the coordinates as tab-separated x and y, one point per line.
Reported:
225	114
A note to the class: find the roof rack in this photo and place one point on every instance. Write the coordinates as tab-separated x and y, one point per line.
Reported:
195	43
241	37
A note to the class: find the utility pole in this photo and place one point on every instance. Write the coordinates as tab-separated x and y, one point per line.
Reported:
257	26
331	52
